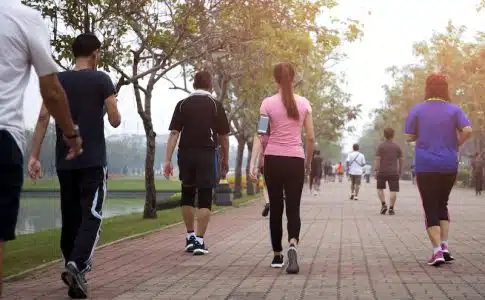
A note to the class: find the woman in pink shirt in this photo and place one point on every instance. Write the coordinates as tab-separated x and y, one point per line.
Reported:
284	161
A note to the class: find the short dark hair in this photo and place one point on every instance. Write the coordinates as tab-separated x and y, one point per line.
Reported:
389	133
85	44
203	80
436	87
355	147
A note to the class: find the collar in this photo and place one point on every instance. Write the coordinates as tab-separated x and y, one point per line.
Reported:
435	99
201	92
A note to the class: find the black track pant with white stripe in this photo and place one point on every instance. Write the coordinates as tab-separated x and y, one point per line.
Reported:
82	196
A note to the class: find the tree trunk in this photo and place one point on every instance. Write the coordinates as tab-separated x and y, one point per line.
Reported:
150	210
249	183
241	143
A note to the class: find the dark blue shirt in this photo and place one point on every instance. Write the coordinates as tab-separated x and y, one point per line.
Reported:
86	92
436	124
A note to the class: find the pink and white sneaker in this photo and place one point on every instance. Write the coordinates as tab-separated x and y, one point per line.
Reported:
437	259
446	254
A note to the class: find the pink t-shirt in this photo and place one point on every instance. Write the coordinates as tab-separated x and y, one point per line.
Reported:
285	133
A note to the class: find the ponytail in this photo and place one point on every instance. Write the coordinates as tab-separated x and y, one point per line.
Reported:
284	73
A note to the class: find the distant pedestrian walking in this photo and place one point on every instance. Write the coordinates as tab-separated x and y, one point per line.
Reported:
355	163
284	166
433	124
367	172
91	93
388	166
316	172
201	122
340	172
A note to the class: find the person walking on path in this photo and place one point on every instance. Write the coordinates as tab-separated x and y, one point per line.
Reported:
82	180
388	167
340	171
433	125
316	172
355	162
477	169
367	170
287	113
25	44
201	122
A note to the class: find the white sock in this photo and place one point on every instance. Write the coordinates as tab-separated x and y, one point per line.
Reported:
437	249
189	235
200	240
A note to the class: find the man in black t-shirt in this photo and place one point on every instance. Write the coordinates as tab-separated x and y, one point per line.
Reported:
82	180
202	124
388	167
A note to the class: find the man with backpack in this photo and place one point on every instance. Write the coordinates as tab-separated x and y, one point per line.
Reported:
355	164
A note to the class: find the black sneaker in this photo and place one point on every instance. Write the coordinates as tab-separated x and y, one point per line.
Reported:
199	249
446	254
278	261
78	288
293	267
352	197
189	244
391	211
383	209
266	210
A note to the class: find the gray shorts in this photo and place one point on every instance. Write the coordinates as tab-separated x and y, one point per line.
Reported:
355	179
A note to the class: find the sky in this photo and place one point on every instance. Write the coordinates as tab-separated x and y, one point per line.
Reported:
390	29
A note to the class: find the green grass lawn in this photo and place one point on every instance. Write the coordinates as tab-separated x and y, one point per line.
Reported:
31	250
114	184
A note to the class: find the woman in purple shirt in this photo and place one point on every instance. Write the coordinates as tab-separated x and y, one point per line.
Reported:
284	161
433	124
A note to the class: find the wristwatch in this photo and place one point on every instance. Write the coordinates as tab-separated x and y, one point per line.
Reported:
75	135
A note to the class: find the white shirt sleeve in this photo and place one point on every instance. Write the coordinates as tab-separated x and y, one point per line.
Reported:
39	47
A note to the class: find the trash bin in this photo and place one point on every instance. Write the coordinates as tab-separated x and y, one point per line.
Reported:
223	193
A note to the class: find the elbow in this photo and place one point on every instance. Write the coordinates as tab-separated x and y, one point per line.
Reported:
115	122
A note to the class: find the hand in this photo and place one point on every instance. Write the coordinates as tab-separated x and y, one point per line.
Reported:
254	173
34	168
75	147
224	167
308	167
168	169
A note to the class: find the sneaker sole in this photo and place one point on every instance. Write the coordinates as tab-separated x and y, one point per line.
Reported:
76	283
293	267
198	252
437	262
189	248
277	266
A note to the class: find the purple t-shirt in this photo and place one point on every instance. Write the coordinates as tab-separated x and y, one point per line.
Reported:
435	124
285	138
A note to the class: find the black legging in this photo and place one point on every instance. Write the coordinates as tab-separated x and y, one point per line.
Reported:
288	174
435	190
478	182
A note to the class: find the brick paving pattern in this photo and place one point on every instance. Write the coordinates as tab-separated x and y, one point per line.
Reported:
347	251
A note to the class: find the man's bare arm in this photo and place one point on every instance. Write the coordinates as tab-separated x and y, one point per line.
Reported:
55	100
39	132
377	163
224	139
465	134
172	142
111	108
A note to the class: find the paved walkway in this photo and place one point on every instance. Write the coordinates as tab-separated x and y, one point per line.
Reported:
347	251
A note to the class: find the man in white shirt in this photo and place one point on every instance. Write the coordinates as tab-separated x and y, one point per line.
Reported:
355	163
24	42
